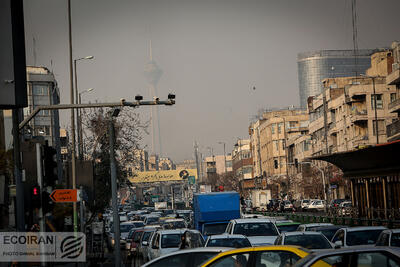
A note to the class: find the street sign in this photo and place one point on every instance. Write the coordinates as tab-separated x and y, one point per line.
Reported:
65	195
192	179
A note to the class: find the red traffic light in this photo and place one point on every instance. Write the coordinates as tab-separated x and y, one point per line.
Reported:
35	191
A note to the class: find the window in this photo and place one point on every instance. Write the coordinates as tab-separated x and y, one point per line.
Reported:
392	97
239	260
335	260
276	144
379	101
40	89
375	259
280	127
292	124
395	240
273	128
283	144
276	258
170	240
383	240
367	237
255	229
381	127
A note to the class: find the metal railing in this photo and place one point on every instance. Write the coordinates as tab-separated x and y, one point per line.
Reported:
393	128
394	103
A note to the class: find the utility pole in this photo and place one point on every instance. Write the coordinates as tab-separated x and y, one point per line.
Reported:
113	168
73	145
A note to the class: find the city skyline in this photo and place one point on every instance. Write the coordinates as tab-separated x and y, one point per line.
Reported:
213	54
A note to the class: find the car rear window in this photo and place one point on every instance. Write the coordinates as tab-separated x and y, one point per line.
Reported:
308	241
367	237
255	229
170	240
395	242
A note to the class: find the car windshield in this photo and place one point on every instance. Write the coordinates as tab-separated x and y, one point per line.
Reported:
126	228
229	242
367	237
152	220
146	236
287	228
138	224
255	229
170	240
214	229
306	201
308	241
329	233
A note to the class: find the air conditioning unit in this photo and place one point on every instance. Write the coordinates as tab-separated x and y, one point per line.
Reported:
395	66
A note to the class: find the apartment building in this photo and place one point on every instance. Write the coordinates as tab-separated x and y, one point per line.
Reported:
275	129
255	146
393	78
353	111
242	161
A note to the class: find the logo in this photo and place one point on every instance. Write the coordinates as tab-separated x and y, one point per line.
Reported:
184	174
71	247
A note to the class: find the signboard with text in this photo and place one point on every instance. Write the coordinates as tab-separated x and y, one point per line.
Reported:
42	247
64	195
162	176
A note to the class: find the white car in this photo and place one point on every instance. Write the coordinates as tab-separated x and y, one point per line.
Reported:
355	236
164	242
310	240
259	231
389	238
174	224
151	219
345	208
227	240
316	205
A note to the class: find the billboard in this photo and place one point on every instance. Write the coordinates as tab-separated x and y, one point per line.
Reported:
163	176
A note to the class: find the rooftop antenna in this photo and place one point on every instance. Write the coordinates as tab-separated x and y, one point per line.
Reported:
34	51
355	37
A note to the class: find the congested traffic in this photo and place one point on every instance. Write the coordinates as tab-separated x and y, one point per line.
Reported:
216	232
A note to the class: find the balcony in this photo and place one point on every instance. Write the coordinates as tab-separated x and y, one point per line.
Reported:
394	106
393	131
394	77
359	115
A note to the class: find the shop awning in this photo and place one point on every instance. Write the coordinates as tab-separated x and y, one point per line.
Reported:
382	159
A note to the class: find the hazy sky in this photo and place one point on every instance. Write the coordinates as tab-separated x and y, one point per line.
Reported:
212	53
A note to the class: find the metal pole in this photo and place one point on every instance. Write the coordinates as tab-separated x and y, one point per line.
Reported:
81	206
114	196
376	112
80	130
225	157
40	183
17	173
73	159
77	110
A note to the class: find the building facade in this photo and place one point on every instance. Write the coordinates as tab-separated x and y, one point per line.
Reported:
313	67
393	78
242	161
166	164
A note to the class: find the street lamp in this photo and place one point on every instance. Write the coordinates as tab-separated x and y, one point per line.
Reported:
77	96
375	108
224	154
79	121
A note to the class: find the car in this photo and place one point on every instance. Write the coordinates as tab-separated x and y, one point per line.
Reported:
227	240
345	208
301	204
249	215
353	256
328	230
259	231
284	226
336	202
124	230
287	205
259	256
355	236
132	247
316	205
174	224
151	219
310	240
309	226
164	242
186	257
141	250
390	237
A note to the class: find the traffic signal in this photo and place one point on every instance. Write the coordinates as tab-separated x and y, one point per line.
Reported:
47	203
49	166
35	192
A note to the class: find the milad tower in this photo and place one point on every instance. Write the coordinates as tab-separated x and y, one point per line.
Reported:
153	74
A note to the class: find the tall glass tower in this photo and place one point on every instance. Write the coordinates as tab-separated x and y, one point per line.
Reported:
315	66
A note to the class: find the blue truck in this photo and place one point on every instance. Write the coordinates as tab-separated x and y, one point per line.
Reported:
213	211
